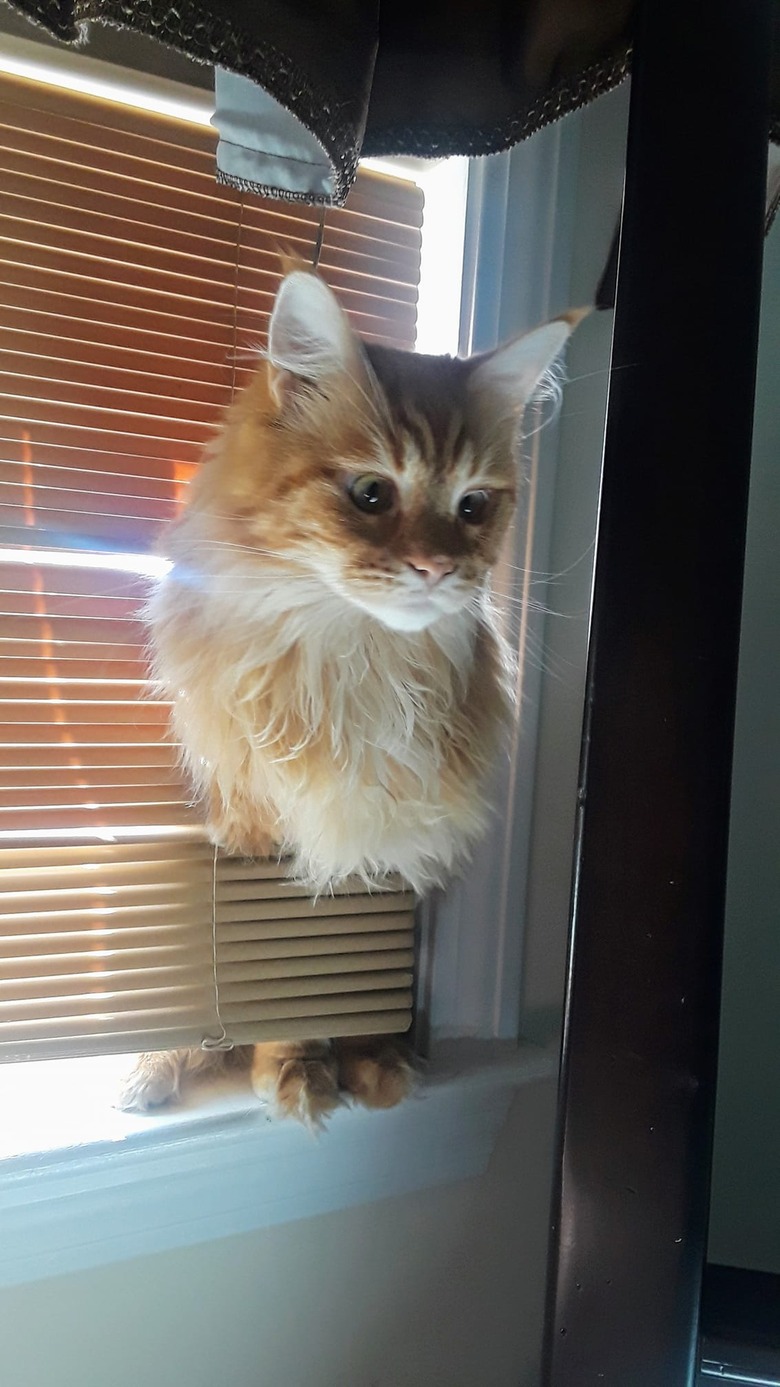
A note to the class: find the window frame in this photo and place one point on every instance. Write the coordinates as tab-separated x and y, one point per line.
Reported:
498	969
224	1168
241	1172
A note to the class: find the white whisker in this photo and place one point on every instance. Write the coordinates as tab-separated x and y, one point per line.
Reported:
542	577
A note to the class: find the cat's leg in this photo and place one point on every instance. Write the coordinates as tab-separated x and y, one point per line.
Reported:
156	1077
299	1079
376	1071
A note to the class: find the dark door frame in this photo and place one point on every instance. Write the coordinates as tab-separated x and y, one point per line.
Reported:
631	1196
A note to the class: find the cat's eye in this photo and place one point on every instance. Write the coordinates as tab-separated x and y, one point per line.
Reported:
473	507
372	494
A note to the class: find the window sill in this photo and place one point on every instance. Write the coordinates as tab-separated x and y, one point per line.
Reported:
218	1166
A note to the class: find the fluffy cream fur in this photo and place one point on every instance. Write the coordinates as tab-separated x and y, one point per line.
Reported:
308	724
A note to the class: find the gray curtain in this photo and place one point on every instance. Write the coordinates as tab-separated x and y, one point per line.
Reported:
327	81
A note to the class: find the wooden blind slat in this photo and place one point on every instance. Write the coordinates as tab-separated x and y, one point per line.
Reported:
89	273
123	470
64	762
62	488
33	296
31	664
41	374
312	967
52	203
44	629
132	967
32	339
45	797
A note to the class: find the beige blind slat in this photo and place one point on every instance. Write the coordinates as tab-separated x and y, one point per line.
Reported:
318	1027
342	1005
300	943
114	950
56	213
162	1031
311	967
31	294
104	375
33	340
131	285
131	987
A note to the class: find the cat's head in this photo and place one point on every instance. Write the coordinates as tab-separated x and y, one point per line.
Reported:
389	476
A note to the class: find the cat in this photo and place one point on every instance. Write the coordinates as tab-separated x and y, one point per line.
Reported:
339	680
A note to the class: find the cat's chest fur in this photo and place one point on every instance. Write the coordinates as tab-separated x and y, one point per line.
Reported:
360	749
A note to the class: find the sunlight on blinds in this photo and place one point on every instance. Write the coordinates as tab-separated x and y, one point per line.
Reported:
136	293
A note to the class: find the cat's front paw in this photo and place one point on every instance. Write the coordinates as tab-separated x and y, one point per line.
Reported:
298	1080
154	1080
377	1072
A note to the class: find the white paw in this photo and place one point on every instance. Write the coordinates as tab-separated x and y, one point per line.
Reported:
144	1089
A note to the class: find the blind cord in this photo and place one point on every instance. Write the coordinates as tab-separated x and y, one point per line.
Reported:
219	1042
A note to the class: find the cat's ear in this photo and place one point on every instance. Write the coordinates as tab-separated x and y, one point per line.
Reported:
309	337
504	381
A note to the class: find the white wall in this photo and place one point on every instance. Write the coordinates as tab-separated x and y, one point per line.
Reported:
745	1222
438	1289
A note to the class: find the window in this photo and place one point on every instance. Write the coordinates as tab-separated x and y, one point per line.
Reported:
500	933
135	291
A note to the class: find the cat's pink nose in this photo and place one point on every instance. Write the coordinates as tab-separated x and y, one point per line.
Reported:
432	570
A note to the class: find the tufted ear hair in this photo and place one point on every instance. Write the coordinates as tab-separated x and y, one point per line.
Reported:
504	380
309	337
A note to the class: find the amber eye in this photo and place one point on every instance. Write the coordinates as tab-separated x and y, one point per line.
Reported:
472	508
374	495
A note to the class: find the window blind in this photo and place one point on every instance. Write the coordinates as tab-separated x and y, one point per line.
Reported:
112	950
135	293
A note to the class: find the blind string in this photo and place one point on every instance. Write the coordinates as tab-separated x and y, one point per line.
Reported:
218	1042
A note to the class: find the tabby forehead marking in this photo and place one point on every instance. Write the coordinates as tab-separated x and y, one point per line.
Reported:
415	437
421	453
424	408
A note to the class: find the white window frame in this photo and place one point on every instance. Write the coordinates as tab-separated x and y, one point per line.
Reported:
491	989
540	225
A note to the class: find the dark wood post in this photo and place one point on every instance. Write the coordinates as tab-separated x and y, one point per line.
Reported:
639	1058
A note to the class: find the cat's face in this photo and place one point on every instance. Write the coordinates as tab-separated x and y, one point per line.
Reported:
389	478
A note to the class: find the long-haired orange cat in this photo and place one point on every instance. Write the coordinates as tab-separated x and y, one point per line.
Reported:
326	633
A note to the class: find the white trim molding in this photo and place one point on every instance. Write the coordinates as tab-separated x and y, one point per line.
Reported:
212	1175
516	275
539	225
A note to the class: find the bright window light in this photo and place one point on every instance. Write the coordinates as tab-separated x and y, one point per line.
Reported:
444	184
149	565
78	72
441	270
